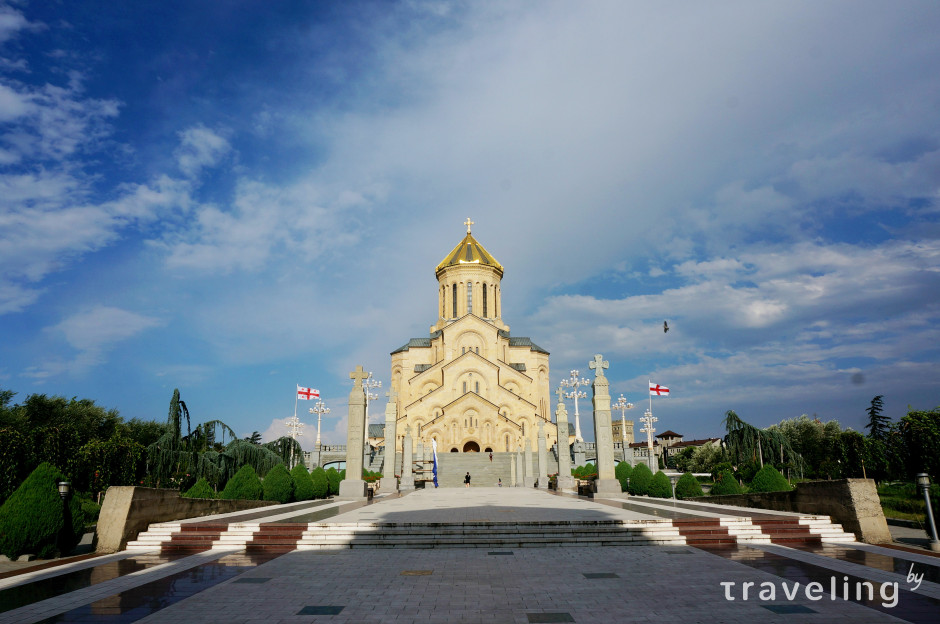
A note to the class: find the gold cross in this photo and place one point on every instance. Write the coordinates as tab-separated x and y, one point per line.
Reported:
468	223
358	375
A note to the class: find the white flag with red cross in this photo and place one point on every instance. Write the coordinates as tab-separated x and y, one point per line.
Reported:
658	390
307	393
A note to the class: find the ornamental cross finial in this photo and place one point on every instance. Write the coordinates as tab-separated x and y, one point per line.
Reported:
392	396
599	364
561	394
358	375
468	223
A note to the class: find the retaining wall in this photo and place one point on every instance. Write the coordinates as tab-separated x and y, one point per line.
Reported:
853	503
128	510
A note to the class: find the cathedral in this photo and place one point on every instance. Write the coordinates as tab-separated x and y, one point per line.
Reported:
470	385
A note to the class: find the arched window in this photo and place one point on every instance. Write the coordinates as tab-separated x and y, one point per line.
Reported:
484	300
523	428
477	387
465	387
469	298
454	309
477	349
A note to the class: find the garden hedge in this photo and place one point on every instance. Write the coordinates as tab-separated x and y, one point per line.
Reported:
245	485
688	487
726	484
277	485
623	471
303	485
640	480
769	479
201	489
660	486
321	482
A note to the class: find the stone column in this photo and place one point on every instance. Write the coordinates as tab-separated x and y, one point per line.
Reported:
579	457
543	458
529	479
565	481
520	471
512	470
353	486
389	482
606	483
407	471
419	453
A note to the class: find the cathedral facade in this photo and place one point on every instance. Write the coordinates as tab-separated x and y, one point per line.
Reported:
470	385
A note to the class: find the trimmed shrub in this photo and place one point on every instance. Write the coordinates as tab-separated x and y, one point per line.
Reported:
688	486
623	472
660	486
640	480
277	485
769	479
303	485
201	489
577	471
245	485
726	484
332	476
32	519
320	481
590	471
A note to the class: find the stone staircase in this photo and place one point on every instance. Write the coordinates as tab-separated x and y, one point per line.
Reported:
452	467
279	537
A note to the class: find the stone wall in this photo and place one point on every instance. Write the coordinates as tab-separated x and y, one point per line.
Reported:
128	510
853	503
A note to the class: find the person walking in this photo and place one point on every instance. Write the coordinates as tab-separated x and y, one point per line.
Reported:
466	480
500	484
491	455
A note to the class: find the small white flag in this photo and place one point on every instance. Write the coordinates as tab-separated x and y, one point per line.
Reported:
307	393
658	390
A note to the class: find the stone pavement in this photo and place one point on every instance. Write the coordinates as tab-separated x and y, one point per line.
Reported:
551	584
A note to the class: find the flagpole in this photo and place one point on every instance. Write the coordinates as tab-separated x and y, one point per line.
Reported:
295	402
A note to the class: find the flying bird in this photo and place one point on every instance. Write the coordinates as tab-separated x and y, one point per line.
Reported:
665	326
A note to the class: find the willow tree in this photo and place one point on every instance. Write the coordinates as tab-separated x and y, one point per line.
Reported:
204	453
745	442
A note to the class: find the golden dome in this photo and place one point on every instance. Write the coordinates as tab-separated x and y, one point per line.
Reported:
469	251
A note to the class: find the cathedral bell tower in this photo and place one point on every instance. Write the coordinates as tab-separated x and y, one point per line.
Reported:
468	283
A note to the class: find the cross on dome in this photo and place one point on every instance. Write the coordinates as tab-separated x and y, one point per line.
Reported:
468	223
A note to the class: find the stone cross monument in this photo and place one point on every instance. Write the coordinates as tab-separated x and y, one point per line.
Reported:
353	487
407	469
543	458
389	483
606	483
565	481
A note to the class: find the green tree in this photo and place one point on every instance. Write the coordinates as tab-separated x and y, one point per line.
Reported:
622	471
303	484
277	485
688	487
726	484
99	464
15	459
333	478
33	520
640	480
245	485
201	489
920	432
254	438
769	479
660	486
746	442
878	423
321	482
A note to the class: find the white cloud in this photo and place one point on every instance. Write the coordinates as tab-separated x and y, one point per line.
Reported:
12	22
200	148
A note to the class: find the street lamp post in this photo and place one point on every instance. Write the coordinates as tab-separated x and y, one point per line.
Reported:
369	384
923	481
575	382
65	489
319	409
623	406
648	420
295	427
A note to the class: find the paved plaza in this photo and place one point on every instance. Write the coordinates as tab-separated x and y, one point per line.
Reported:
559	582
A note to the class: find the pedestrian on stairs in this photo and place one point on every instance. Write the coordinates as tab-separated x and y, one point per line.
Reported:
466	480
500	484
491	455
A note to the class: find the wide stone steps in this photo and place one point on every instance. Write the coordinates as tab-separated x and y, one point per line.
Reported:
283	537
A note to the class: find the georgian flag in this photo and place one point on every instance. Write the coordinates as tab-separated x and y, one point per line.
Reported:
307	393
658	390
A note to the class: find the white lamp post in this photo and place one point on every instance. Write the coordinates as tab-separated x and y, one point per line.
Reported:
575	382
295	427
648	420
369	384
319	409
623	406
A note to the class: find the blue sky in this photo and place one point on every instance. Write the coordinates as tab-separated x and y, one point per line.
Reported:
232	199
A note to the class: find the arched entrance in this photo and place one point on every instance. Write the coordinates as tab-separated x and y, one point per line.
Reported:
471	447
